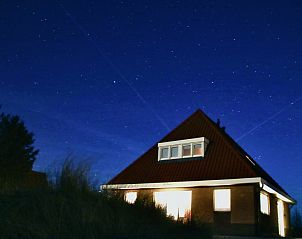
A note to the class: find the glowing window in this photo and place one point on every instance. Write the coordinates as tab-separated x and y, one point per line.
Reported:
164	153
176	203
264	203
222	199
174	152
281	223
130	197
186	150
197	150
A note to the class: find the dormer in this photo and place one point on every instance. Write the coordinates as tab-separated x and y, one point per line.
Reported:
185	148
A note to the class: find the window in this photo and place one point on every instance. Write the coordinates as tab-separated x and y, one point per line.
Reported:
164	153
197	150
130	197
281	222
174	152
177	204
186	150
222	199
264	203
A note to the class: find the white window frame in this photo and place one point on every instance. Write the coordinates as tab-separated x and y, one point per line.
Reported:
220	209
180	143
268	203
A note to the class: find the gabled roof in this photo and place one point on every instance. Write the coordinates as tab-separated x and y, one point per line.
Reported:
224	158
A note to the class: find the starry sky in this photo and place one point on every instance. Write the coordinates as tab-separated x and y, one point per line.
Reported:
105	80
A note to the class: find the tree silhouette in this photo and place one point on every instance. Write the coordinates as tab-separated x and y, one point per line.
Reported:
17	153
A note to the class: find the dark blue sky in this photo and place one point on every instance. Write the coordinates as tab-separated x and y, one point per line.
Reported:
107	79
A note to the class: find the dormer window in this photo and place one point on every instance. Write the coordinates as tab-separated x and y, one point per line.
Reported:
174	152
197	149
164	153
186	148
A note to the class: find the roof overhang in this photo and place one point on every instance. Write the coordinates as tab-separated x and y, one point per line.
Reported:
271	189
203	183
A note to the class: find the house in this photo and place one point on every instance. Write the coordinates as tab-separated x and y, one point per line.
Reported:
198	172
23	180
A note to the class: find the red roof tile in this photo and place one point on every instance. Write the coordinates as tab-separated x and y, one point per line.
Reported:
224	158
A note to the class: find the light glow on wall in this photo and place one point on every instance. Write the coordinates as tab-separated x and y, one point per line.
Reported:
264	203
130	197
222	199
176	203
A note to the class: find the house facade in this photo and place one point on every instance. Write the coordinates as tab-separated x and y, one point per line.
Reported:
198	172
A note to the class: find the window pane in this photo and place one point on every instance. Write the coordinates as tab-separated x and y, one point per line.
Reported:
264	203
186	150
130	197
222	200
164	153
197	149
174	151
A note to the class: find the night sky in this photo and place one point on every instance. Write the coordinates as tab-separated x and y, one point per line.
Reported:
105	80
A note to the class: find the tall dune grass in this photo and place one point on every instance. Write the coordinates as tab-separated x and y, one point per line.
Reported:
69	207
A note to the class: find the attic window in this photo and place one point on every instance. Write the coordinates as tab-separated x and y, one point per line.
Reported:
164	153
197	149
174	152
186	148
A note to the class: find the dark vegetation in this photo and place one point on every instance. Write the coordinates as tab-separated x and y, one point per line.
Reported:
69	206
296	222
17	153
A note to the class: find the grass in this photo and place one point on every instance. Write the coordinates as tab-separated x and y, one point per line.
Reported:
69	208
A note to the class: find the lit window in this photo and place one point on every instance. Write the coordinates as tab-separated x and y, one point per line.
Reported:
281	222
197	150
130	197
174	152
222	199
164	153
176	203
264	203
186	150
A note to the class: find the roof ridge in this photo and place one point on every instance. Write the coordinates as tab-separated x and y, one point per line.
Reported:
181	123
223	135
